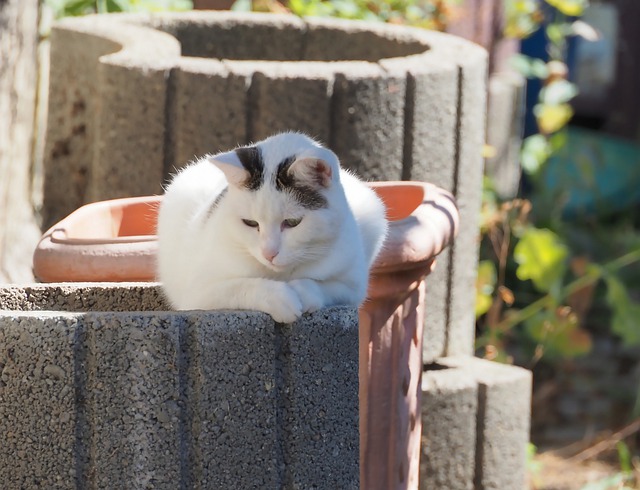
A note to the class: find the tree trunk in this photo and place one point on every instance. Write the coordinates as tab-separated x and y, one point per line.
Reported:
18	80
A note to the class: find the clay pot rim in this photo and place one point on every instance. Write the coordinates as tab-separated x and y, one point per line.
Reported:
424	219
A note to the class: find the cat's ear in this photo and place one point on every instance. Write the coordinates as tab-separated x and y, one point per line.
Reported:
317	171
231	166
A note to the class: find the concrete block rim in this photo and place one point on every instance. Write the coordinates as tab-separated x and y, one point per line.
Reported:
140	47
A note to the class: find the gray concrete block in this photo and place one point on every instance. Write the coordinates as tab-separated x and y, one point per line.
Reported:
234	35
468	194
71	126
449	408
330	39
174	399
430	117
131	410
282	96
436	301
368	121
320	412
130	166
505	126
504	401
208	111
84	113
38	409
83	297
231	399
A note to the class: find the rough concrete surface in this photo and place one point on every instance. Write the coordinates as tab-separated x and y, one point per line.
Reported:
501	419
449	408
505	129
157	399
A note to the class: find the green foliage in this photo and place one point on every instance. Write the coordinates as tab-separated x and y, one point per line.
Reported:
613	482
485	284
536	150
541	257
420	13
538	272
523	17
626	313
573	8
558	332
65	8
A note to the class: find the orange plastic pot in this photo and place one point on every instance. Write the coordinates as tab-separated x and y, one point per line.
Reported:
115	241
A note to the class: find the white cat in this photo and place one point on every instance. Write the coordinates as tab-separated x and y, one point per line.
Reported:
277	227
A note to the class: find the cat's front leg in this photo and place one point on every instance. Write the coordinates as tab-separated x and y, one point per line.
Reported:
277	298
318	294
311	294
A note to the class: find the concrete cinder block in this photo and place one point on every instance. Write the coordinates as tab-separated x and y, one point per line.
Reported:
86	115
71	123
317	364
232	397
468	194
83	297
505	126
208	110
449	409
174	399
436	301
368	120
38	409
130	428
283	95
338	40
130	166
233	35
502	421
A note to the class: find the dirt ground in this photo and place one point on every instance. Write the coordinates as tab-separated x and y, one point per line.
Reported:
574	465
554	471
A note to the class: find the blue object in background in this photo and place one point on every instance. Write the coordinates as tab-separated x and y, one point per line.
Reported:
592	175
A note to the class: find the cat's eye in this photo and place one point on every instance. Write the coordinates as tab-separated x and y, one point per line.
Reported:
250	223
291	222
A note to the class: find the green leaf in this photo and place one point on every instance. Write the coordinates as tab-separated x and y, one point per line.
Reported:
78	7
558	334
529	67
624	457
116	6
626	314
541	257
552	118
555	33
573	8
245	5
558	92
535	152
485	284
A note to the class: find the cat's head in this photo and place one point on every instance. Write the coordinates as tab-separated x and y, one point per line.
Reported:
282	199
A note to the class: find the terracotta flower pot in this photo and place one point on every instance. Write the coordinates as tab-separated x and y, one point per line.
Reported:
114	241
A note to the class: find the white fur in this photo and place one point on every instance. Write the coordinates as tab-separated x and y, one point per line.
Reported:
210	259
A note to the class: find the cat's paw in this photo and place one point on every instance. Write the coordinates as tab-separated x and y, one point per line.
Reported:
283	303
310	294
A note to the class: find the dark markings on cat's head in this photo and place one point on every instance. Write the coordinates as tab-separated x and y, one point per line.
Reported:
216	202
251	159
304	194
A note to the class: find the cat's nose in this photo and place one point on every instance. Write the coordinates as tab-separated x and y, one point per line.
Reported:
269	254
